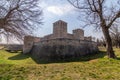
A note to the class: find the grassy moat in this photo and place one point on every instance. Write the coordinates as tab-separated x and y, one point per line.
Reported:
15	66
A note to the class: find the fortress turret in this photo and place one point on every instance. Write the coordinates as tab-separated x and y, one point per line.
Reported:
78	34
29	42
60	29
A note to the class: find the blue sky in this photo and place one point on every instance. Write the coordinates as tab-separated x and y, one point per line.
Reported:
54	10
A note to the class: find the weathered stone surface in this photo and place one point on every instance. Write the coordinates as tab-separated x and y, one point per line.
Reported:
60	44
56	49
28	43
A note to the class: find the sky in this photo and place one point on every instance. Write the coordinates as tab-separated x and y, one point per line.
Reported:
54	10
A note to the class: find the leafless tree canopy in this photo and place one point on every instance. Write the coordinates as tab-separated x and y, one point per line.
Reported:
93	12
115	35
19	17
101	14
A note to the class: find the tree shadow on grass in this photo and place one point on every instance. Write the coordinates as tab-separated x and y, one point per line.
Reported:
85	58
118	58
20	56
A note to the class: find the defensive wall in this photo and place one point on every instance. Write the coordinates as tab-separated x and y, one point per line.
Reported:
60	44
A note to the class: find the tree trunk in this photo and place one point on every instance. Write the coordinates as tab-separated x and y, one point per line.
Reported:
108	40
118	44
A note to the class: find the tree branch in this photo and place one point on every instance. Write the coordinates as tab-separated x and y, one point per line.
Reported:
113	20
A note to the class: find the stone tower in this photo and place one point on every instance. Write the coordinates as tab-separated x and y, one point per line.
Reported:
28	44
60	29
78	34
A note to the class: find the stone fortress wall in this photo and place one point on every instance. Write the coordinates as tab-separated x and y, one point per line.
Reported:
60	43
60	31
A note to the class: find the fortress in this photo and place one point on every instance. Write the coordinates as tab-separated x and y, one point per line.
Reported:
60	31
60	44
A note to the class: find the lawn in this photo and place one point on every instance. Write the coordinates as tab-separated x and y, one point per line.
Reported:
15	66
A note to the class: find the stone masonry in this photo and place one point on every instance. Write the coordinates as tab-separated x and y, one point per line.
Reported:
60	31
60	44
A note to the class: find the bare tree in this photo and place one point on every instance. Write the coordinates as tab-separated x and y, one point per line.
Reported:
115	35
19	17
100	15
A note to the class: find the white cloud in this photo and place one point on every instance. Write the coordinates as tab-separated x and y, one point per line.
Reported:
60	10
55	10
42	4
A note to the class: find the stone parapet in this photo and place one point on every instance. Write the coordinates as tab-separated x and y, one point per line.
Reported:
62	48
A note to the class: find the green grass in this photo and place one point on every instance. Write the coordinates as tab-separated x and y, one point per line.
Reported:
15	66
14	58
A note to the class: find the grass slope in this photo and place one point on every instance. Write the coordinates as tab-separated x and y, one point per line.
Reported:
14	58
14	66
